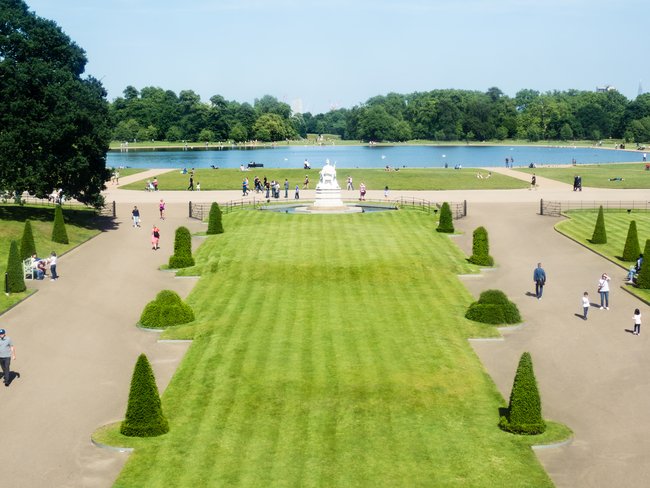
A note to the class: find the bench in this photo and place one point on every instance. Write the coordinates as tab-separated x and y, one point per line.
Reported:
28	271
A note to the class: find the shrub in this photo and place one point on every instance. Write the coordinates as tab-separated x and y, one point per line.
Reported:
15	273
446	223
600	234
481	248
182	257
643	278
27	245
144	415
631	250
524	415
493	307
214	220
59	234
166	310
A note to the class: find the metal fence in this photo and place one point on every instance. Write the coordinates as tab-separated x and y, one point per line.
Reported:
200	211
555	208
107	210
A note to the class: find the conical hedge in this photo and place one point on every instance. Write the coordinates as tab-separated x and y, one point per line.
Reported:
27	244
15	272
144	415
214	220
631	250
525	409
167	310
446	223
600	234
643	278
481	248
59	234
182	257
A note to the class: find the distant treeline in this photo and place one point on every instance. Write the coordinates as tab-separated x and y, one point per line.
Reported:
440	115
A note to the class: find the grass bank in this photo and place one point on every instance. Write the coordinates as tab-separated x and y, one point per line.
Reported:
634	175
331	351
374	179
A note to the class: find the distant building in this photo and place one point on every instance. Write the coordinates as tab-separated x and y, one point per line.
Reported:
296	106
606	88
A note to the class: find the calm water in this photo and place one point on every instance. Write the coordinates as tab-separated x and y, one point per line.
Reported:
368	157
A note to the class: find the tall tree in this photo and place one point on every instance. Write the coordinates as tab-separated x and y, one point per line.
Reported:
55	124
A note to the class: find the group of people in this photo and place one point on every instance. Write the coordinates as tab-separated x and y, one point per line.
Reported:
151	185
40	267
510	162
155	231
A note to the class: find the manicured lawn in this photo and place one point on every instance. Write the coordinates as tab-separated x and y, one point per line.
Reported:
331	350
580	227
81	225
375	179
598	175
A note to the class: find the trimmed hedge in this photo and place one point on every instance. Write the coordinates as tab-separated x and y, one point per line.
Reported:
643	278
481	248
167	310
144	415
214	220
182	257
59	234
524	415
631	250
27	244
446	223
600	234
493	307
15	274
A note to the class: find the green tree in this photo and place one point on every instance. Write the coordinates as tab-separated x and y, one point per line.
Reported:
215	226
600	234
27	244
481	248
238	133
643	278
524	414
15	272
55	123
446	223
631	250
270	127
59	233
144	414
182	257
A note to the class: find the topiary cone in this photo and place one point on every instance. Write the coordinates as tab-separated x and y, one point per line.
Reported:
59	234
481	248
15	272
631	250
144	415
600	234
643	278
214	220
27	244
182	257
446	223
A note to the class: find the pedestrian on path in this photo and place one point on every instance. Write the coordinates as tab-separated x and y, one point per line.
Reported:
155	238
136	216
53	275
533	182
296	195
362	191
190	187
350	185
585	305
286	188
603	289
161	208
7	353
637	322
539	277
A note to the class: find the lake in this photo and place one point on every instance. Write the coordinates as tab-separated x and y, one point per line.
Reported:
367	156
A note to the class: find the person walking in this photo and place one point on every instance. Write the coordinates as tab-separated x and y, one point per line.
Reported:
539	277
190	187
286	188
7	353
53	275
296	195
533	182
161	208
350	185
305	185
362	191
136	216
585	305
603	289
155	238
637	322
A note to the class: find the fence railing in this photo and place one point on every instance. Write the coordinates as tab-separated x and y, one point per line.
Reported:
107	210
555	208
201	210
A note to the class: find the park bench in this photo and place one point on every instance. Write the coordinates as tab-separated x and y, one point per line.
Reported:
28	271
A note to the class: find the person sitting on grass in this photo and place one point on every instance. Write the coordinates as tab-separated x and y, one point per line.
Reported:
617	178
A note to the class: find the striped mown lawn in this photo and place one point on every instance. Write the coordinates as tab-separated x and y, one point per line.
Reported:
331	350
598	175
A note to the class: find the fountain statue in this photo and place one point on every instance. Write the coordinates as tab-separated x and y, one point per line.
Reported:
328	191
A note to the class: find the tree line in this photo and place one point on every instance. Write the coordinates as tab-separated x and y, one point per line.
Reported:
153	113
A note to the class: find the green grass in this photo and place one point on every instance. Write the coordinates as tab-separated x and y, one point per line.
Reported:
580	227
81	225
331	351
598	175
128	172
375	179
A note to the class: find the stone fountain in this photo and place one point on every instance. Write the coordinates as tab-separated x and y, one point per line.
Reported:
328	191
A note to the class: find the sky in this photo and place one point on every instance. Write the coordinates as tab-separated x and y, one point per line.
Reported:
317	55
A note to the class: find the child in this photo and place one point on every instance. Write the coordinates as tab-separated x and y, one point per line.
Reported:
585	305
637	322
198	186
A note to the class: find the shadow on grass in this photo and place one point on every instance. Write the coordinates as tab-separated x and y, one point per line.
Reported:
86	218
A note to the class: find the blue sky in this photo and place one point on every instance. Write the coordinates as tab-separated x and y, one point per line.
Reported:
340	53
